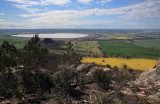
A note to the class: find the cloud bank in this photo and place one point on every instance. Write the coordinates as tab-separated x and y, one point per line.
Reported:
71	18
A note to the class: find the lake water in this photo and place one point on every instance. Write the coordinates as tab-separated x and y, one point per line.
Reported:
55	35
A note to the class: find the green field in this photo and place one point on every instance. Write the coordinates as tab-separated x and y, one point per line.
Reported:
18	42
87	48
127	49
153	43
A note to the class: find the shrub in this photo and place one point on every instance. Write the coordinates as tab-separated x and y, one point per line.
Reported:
67	77
103	78
115	68
125	66
34	82
108	66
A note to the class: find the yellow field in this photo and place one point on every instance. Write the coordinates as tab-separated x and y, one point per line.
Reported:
138	64
124	38
116	37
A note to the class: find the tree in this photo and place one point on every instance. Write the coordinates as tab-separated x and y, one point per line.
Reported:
8	55
48	40
71	57
34	58
8	60
34	55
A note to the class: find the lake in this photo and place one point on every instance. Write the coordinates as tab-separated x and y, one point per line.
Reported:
55	35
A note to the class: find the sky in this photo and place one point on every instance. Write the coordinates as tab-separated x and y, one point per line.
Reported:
79	14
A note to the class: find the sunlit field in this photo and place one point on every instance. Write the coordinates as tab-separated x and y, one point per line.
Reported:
124	38
138	64
119	37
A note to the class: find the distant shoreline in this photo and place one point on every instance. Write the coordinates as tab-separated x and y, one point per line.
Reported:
78	30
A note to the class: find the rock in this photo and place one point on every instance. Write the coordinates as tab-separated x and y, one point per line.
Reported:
149	76
158	70
106	69
149	84
155	96
84	67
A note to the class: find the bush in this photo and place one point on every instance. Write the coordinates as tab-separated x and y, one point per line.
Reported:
8	85
34	82
67	77
48	40
108	66
103	78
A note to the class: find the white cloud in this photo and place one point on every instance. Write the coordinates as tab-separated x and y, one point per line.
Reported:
26	2
27	8
84	1
147	9
55	2
1	20
1	13
70	18
104	1
41	2
117	24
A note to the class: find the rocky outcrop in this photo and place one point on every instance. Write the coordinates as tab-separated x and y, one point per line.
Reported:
88	69
148	84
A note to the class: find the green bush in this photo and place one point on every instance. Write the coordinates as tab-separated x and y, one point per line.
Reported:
67	77
103	78
34	82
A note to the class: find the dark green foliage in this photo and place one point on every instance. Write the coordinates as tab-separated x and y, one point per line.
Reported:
70	50
8	55
44	81
125	66
8	80
35	39
9	85
34	58
34	82
108	66
34	55
103	78
29	79
67	77
48	40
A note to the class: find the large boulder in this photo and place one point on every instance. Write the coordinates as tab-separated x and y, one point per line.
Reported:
149	83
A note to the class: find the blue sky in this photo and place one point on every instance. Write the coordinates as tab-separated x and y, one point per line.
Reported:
80	14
